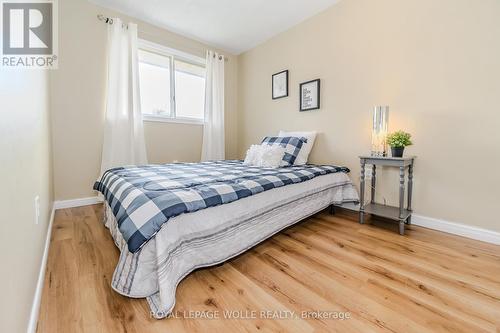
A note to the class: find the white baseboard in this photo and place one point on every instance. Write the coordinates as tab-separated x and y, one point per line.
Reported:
35	307
76	202
37	299
468	231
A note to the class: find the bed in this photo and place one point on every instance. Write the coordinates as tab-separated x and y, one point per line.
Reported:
168	220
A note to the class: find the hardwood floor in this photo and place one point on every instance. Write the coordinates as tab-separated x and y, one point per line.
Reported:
425	281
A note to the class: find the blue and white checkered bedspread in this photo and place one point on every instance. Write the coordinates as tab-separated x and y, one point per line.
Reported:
142	198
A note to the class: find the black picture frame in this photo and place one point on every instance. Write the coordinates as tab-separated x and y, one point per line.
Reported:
318	87
285	72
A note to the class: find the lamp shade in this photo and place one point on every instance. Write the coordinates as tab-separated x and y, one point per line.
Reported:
379	130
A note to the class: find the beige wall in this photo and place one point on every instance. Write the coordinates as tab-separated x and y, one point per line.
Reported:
160	150
436	63
78	92
25	165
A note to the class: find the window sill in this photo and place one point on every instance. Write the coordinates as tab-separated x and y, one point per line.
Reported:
188	121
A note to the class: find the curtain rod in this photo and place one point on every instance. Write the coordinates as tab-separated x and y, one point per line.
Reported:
226	59
105	19
109	20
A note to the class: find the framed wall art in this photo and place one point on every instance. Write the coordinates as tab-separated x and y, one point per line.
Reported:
309	95
280	84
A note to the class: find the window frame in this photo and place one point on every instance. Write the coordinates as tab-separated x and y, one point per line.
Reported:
173	55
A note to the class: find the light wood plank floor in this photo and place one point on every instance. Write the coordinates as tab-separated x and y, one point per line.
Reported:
425	281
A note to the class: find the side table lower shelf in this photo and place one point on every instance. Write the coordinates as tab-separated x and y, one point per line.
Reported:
389	212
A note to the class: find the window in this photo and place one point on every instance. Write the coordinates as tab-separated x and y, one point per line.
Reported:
154	81
172	84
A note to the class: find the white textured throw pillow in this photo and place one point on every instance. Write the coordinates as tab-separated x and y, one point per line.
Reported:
264	156
251	157
306	147
271	156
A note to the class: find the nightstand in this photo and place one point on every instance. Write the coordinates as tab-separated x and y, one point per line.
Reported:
400	214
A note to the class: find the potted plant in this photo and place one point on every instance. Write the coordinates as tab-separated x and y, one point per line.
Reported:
398	141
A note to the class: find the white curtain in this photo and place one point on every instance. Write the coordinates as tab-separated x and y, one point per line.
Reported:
123	131
213	129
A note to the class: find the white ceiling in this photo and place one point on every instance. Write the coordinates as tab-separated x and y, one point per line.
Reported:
232	25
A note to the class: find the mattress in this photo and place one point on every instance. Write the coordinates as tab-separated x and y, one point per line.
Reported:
214	235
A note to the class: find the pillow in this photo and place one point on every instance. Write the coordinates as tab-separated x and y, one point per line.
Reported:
264	156
252	155
271	156
306	147
291	144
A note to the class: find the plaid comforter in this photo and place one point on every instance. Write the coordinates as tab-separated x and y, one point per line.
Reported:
142	198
